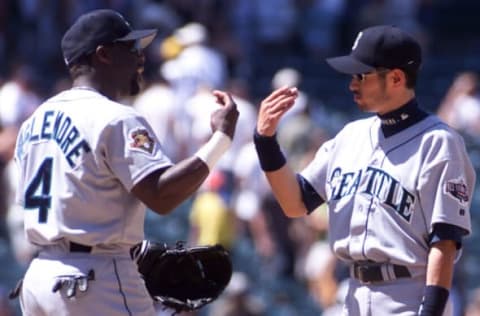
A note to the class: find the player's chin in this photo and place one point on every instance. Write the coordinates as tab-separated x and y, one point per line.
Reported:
135	85
362	106
358	100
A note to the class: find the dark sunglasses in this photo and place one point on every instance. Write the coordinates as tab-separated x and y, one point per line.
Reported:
134	47
363	76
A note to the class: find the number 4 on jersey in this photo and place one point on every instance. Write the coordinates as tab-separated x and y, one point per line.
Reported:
37	195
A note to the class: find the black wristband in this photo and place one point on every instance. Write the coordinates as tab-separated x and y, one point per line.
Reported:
434	301
269	153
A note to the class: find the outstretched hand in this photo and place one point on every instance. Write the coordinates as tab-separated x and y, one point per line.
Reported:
272	109
225	118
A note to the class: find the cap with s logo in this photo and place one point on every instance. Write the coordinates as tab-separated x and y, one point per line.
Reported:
382	46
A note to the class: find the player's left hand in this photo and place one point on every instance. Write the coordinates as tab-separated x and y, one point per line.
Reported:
272	109
225	118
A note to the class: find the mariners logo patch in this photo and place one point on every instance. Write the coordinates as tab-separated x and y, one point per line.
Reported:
141	140
457	189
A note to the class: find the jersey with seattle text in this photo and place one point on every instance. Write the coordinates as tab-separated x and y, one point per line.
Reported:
385	194
79	155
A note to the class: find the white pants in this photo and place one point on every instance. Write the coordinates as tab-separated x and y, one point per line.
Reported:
401	297
116	290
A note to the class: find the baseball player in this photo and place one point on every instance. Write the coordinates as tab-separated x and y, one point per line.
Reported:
88	166
398	185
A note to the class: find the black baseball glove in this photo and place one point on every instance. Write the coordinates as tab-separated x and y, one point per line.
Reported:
183	278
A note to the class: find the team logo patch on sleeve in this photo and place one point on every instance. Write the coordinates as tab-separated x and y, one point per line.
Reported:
457	189
141	140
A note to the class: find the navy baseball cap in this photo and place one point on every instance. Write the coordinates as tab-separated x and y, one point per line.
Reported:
382	46
100	27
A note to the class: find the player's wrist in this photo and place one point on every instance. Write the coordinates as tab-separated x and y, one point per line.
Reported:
213	150
434	301
269	152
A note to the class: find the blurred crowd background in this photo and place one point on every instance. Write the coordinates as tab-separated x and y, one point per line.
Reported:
283	267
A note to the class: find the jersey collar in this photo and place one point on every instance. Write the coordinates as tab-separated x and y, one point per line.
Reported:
401	118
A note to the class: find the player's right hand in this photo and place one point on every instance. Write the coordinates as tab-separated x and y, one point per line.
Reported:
272	109
225	118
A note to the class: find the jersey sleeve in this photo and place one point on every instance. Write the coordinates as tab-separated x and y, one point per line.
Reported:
131	150
316	171
446	186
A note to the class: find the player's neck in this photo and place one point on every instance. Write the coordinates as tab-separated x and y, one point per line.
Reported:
397	101
405	116
85	82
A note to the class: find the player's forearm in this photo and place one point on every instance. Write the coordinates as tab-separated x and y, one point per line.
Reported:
287	191
439	278
164	191
440	263
281	178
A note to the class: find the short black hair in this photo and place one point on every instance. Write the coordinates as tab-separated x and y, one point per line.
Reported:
411	75
81	66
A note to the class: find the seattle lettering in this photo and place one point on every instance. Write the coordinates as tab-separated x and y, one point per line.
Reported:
374	182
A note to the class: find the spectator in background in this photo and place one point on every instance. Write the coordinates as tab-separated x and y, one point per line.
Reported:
460	107
241	14
4	12
250	189
319	22
473	307
291	77
195	109
298	132
18	99
279	34
213	216
211	219
195	64
401	13
318	263
19	96
157	103
191	66
237	299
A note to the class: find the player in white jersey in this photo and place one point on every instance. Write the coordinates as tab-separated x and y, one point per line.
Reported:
398	184
89	165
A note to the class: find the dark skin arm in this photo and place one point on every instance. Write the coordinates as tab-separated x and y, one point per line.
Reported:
165	189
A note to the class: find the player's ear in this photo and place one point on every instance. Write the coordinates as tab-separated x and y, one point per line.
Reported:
103	54
398	76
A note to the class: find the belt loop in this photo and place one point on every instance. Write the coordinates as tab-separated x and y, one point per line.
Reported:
75	247
385	269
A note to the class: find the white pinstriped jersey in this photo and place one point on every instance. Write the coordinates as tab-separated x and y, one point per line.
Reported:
79	155
385	194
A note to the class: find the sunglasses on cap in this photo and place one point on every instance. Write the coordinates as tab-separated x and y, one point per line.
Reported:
134	47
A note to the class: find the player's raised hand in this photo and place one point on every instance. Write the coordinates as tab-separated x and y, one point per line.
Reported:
272	109
225	118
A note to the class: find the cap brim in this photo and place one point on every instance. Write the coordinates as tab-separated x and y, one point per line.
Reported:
145	37
348	65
